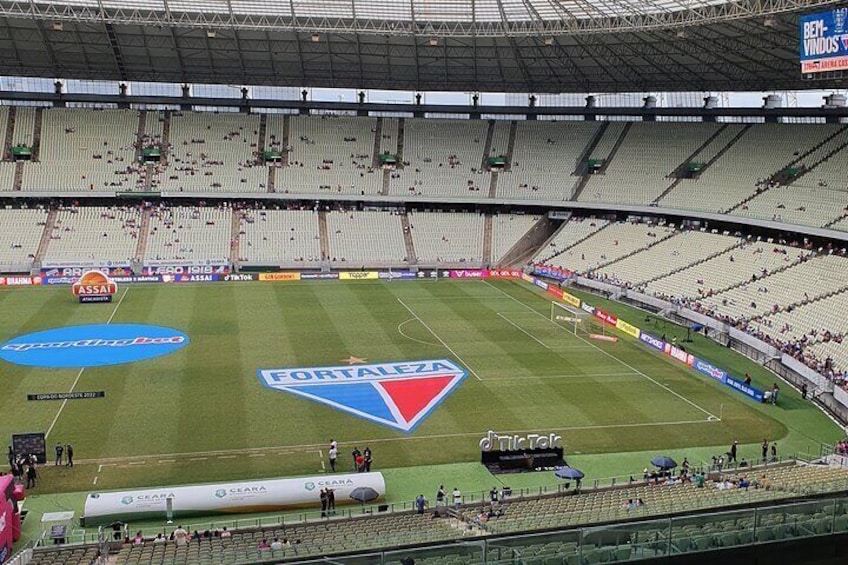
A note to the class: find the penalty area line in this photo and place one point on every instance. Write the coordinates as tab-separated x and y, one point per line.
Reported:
610	355
82	370
445	345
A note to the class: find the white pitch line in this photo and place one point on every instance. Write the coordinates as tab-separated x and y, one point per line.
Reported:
226	457
254	455
95	480
608	354
198	459
307	448
525	332
446	346
81	371
401	332
165	461
137	462
564	377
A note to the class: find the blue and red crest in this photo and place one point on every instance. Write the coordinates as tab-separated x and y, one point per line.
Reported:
399	395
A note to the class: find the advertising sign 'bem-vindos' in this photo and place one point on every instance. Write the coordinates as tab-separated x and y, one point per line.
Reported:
94	286
824	41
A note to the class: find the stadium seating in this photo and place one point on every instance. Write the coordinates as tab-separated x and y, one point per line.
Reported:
329	155
190	233
610	244
568	234
447	237
507	229
544	158
281	238
19	238
213	152
326	537
365	239
95	233
730	268
667	256
821	275
762	151
85	151
641	168
444	159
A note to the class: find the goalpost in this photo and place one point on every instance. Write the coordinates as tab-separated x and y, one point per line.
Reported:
565	316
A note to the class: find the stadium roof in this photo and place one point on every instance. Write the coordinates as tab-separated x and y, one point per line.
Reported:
458	45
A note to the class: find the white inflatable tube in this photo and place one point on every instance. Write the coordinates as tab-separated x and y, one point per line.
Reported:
269	495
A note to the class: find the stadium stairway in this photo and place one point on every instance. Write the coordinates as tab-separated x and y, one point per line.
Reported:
324	235
678	173
730	143
44	243
401	126
487	145
378	137
411	257
235	230
493	184
139	135
386	182
618	143
18	181
581	168
260	144
286	142
36	135
487	239
513	132
698	262
781	176
271	184
143	231
836	221
9	137
523	250
166	137
682	167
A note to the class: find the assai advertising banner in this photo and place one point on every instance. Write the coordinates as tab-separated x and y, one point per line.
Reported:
824	41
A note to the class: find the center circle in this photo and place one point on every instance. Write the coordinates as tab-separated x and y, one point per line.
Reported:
94	345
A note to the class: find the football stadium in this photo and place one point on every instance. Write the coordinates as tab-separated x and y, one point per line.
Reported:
434	282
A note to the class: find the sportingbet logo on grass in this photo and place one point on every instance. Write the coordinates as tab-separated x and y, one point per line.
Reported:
398	395
93	345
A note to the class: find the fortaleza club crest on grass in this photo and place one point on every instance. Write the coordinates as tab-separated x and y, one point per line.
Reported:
399	395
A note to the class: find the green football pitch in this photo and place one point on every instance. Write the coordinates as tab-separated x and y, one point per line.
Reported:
202	414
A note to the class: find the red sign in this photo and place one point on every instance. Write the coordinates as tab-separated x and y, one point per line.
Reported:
605	316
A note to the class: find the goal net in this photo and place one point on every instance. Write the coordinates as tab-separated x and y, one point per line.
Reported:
568	317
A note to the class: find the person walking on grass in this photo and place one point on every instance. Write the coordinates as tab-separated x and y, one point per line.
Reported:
333	454
59	451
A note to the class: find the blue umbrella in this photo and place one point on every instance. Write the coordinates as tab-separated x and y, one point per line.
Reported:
569	473
663	462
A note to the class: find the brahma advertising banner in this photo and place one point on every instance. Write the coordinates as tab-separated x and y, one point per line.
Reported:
20	281
824	41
